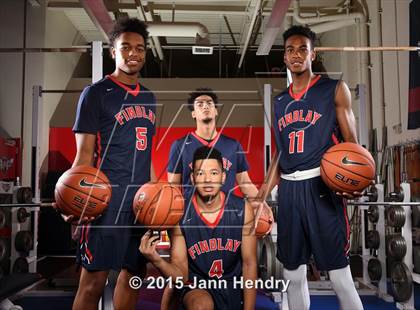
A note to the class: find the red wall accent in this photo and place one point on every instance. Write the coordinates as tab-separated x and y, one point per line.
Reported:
62	148
10	159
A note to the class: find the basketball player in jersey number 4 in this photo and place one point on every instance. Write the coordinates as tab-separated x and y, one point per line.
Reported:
213	245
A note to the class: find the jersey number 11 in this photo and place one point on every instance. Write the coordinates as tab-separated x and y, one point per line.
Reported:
300	137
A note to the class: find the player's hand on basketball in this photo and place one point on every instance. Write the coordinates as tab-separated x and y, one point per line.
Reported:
77	221
148	247
73	219
353	195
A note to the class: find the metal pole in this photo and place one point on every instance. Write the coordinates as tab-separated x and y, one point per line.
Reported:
97	61
267	126
36	132
363	130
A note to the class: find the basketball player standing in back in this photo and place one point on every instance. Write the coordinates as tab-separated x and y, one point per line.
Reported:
313	114
114	127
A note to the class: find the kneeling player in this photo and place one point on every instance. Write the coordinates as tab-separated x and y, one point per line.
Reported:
213	246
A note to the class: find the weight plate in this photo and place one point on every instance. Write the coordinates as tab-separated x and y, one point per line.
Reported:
24	195
372	239
20	265
24	241
374	269
401	282
22	215
373	214
2	219
396	247
395	216
269	265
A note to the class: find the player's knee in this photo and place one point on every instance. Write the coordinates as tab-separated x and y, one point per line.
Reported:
200	304
91	291
296	276
341	279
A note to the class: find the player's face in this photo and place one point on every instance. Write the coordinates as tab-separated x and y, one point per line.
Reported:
204	109
298	54
208	177
129	52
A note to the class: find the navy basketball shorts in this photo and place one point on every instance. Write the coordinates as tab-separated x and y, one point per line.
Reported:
112	242
311	219
223	299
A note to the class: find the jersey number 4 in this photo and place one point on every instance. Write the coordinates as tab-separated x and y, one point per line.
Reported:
216	269
300	137
141	138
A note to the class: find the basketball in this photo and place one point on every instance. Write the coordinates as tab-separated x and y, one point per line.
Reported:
347	167
158	206
82	191
264	222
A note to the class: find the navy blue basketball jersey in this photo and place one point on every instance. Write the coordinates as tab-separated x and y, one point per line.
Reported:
123	120
214	249
305	124
182	153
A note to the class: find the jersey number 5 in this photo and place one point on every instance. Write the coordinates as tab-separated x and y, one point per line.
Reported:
300	135
141	138
216	269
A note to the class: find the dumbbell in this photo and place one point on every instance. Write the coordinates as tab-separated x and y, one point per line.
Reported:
372	194
395	196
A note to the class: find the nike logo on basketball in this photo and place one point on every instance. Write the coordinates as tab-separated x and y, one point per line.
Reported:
83	183
347	161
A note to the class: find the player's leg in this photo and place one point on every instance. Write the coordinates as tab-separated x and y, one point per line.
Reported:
170	299
125	297
92	255
342	283
292	245
133	264
89	292
198	300
298	291
330	231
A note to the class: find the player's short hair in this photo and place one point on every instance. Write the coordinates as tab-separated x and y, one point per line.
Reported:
301	31
203	91
206	152
123	25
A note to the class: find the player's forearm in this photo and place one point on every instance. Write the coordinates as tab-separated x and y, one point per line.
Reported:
271	179
249	271
83	160
171	270
249	190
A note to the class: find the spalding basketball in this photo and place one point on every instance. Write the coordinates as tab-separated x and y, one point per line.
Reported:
347	167
83	191
158	206
264	222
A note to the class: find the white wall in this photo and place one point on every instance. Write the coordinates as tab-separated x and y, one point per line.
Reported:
346	65
393	31
57	71
12	79
45	28
11	36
